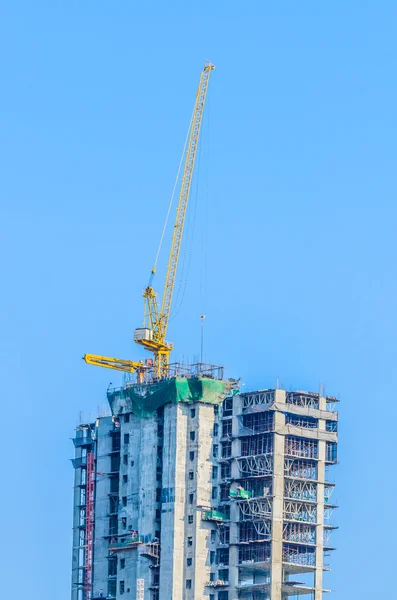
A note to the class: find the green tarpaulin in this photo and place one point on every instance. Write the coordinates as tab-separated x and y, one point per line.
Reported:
144	400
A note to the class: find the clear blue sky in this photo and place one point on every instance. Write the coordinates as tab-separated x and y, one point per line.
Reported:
293	257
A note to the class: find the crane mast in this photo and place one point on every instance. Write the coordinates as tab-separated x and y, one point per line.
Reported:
152	335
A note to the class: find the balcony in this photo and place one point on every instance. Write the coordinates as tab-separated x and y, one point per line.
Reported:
217	583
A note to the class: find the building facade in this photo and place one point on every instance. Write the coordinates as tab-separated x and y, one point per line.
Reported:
205	497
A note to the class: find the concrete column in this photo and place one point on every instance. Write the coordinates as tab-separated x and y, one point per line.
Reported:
201	487
233	572
148	485
174	520
235	471
276	572
102	504
280	396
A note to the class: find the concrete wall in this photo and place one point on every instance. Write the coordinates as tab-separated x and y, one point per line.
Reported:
202	488
102	503
137	492
174	520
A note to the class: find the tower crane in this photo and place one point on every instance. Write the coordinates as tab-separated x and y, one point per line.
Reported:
152	336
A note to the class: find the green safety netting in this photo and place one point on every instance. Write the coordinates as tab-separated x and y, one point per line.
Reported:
144	400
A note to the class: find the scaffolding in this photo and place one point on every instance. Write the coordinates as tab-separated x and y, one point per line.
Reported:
295	510
258	487
328	491
181	369
252	531
308	399
299	555
296	446
260	422
254	466
300	421
300	490
254	553
300	469
89	526
224	534
299	532
328	510
331	403
257	444
258	400
226	470
255	509
227	429
331	455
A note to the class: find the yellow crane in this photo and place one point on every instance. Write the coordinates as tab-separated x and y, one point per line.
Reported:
152	335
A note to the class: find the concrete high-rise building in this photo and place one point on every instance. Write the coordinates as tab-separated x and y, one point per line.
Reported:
192	490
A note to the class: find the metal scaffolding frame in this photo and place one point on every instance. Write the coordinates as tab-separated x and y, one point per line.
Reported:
300	490
254	553
331	403
255	509
328	530
257	487
299	555
328	491
297	446
331	452
253	466
256	422
308	399
295	510
257	444
259	399
252	531
300	468
328	510
299	532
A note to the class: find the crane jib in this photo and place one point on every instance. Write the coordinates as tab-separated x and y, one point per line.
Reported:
183	199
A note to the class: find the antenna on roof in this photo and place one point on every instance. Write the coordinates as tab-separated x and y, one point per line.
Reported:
202	317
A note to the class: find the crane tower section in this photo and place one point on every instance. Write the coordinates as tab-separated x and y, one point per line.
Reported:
152	337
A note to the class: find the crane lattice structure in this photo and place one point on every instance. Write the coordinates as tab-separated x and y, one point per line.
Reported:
152	336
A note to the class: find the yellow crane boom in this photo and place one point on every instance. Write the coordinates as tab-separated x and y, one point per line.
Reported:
118	364
152	335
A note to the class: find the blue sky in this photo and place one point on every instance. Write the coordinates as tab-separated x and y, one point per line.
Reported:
290	248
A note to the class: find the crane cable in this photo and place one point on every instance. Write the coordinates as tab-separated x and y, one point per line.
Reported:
191	222
153	271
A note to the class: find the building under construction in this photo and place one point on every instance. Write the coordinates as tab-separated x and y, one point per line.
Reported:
192	490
